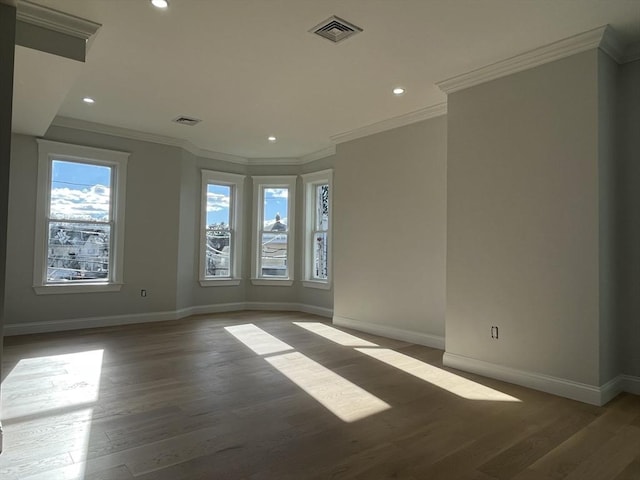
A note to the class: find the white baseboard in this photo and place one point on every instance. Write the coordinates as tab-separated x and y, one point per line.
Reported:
289	307
11	329
90	322
312	309
410	336
214	308
629	384
545	383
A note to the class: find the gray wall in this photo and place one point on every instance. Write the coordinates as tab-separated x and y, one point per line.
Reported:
162	221
7	50
151	232
523	228
629	260
390	221
609	216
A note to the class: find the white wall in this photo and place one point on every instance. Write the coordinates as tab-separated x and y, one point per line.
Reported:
523	226
611	320
629	244
151	232
161	241
389	236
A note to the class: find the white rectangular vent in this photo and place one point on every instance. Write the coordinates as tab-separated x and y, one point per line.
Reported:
184	120
335	29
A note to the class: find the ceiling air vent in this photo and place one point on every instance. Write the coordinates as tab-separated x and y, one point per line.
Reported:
335	29
184	120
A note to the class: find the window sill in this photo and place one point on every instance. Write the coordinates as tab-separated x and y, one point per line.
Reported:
272	282
227	282
316	284
58	289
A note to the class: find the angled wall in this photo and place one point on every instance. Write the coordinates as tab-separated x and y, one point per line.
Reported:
531	227
390	238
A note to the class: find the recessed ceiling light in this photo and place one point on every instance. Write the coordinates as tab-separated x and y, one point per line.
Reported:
398	91
88	100
160	3
272	139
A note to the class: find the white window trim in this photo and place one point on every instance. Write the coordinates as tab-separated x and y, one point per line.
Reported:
310	180
236	182
259	183
48	151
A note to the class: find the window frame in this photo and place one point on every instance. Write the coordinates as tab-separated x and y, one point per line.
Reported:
260	183
48	151
236	184
310	182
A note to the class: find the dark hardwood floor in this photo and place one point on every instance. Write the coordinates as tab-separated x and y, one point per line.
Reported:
272	395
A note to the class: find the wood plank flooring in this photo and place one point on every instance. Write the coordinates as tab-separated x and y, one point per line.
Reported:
211	397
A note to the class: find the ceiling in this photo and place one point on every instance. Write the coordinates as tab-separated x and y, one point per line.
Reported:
250	68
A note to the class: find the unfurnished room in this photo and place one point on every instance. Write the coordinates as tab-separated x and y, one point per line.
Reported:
320	239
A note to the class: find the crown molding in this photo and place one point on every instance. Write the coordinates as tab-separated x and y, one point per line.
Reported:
611	44
312	157
211	154
395	122
632	53
539	56
146	137
101	128
55	20
274	161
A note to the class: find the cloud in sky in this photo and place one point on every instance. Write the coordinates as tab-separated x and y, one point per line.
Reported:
276	193
80	204
217	201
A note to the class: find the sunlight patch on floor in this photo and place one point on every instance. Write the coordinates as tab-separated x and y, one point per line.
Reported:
451	382
341	397
257	339
335	335
38	390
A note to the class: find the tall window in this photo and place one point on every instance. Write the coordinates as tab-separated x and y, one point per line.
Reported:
80	210
273	230
220	236
317	236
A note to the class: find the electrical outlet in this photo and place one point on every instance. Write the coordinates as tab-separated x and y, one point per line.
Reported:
495	332
143	293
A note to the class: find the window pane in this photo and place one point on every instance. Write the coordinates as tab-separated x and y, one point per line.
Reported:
274	255
218	202
78	252
276	208
322	207
320	265
80	191
218	256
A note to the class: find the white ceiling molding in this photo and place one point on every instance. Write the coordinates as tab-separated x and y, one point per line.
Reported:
539	56
146	137
632	53
324	153
611	45
274	161
395	122
55	20
67	122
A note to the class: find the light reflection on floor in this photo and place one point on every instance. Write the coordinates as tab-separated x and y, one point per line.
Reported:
257	339
439	377
61	388
344	399
335	335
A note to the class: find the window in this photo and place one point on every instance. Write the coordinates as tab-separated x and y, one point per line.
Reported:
220	232
273	230
80	219
317	234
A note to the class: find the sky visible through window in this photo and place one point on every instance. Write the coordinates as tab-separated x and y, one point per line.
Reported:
219	197
80	191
